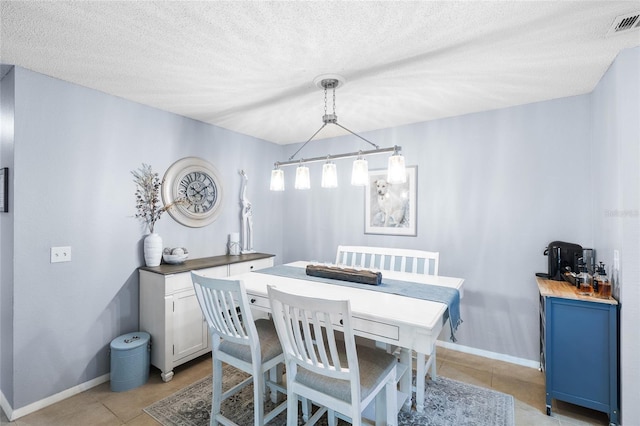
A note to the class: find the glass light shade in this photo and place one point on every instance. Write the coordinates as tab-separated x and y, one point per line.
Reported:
303	181
277	180
360	172
396	172
329	175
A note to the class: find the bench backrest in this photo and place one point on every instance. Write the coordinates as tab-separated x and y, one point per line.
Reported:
389	259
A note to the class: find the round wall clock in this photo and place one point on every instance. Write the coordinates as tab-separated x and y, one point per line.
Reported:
196	182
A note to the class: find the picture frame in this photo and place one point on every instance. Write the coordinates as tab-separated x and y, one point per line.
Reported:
4	190
397	212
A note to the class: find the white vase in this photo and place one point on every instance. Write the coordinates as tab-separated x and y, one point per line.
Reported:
152	249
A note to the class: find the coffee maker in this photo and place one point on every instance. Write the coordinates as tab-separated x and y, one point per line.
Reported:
562	257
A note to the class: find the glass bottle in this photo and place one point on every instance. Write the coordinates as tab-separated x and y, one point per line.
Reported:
604	285
584	282
596	279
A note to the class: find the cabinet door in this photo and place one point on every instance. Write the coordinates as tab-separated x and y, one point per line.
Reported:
190	333
578	345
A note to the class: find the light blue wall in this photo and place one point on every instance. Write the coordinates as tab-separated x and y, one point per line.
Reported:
6	235
494	188
616	154
74	150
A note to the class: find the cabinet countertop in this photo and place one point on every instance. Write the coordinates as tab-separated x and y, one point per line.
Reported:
563	289
204	262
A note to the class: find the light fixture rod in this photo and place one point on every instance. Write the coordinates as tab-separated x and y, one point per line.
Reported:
327	121
355	134
308	140
395	148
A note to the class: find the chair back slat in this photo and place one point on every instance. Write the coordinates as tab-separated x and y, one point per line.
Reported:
318	347
231	321
390	259
213	311
331	343
305	344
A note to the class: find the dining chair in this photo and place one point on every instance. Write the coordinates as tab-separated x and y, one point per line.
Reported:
336	375
238	340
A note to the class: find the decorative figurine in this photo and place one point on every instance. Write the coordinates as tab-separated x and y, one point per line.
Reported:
247	219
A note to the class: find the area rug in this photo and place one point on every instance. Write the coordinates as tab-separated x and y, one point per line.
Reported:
447	402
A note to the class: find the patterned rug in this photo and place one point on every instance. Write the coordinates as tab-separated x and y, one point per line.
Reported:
447	402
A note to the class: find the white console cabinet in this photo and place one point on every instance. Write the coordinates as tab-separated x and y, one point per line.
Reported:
169	310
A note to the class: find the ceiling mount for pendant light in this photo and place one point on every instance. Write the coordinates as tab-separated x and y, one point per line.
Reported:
359	177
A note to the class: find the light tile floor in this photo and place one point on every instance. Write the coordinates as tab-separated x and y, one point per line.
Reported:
100	406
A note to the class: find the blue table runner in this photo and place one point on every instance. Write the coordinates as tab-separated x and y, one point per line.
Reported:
435	293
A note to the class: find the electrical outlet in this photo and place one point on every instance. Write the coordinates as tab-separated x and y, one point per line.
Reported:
60	254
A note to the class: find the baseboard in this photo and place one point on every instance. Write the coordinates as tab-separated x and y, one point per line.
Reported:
35	406
488	354
4	404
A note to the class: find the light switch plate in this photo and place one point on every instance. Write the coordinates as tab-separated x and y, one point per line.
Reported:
60	254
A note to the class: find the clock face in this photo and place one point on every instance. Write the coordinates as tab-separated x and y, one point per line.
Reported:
196	183
200	191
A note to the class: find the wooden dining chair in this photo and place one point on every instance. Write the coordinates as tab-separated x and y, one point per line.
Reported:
238	340
339	377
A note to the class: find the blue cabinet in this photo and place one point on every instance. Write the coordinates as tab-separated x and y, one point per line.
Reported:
579	348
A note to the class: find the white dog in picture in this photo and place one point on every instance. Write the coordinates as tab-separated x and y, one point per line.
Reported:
391	204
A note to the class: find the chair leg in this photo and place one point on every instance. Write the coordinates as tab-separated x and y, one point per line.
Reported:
381	408
216	397
258	396
331	418
391	403
265	389
356	418
292	409
306	409
275	375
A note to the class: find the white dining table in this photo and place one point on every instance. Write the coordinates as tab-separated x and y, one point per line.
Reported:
404	322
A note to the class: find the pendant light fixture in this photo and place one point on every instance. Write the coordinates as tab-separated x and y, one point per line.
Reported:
396	172
360	172
329	175
277	179
303	181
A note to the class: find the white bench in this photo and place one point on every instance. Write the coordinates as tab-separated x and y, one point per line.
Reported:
398	260
389	259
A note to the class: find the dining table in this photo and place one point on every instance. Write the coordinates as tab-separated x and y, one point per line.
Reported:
407	322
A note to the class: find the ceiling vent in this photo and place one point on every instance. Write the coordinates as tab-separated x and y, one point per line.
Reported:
624	23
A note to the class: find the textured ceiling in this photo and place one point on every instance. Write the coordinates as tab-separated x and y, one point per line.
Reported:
250	66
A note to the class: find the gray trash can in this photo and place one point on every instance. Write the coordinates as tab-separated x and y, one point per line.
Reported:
130	357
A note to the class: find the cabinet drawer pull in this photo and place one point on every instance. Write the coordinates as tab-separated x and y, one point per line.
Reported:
251	267
253	300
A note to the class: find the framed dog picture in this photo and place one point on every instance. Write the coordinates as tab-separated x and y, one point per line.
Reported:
391	209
